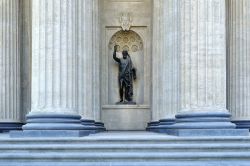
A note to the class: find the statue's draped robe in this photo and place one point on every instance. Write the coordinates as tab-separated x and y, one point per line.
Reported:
125	77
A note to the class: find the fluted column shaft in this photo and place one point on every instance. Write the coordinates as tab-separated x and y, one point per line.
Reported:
238	58
165	93
9	61
203	54
54	56
189	63
89	65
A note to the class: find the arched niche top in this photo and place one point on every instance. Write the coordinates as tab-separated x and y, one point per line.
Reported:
126	40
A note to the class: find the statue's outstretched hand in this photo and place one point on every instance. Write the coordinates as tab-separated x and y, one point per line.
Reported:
115	48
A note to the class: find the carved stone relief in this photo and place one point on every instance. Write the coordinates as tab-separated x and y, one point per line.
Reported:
126	21
126	40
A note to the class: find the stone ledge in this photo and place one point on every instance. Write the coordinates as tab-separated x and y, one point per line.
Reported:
205	132
8	126
242	124
49	133
125	106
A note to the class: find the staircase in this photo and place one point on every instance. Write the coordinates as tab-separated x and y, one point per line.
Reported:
125	149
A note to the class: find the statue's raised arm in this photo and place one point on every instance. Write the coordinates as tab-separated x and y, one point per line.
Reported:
114	54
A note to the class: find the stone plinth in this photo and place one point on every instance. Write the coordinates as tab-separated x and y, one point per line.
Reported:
52	125
242	124
100	126
203	123
159	125
126	117
52	122
92	126
9	126
151	125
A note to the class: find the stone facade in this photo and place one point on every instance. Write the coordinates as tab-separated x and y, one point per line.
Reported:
56	58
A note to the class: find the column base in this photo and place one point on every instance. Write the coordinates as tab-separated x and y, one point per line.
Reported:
9	126
202	123
161	124
49	133
52	125
93	126
100	125
151	125
242	124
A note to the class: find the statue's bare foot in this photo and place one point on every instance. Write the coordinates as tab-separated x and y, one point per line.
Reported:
131	103
120	102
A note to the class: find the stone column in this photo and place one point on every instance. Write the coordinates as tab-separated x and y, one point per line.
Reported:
54	109
165	60
202	55
89	64
203	71
238	23
9	65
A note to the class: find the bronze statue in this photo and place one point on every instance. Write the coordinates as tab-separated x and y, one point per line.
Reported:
127	73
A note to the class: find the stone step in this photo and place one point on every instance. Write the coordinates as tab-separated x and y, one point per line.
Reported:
123	156
122	149
87	140
239	147
125	163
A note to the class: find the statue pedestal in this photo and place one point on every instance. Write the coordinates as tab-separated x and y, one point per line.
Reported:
126	117
126	103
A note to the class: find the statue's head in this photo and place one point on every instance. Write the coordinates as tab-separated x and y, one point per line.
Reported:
124	54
